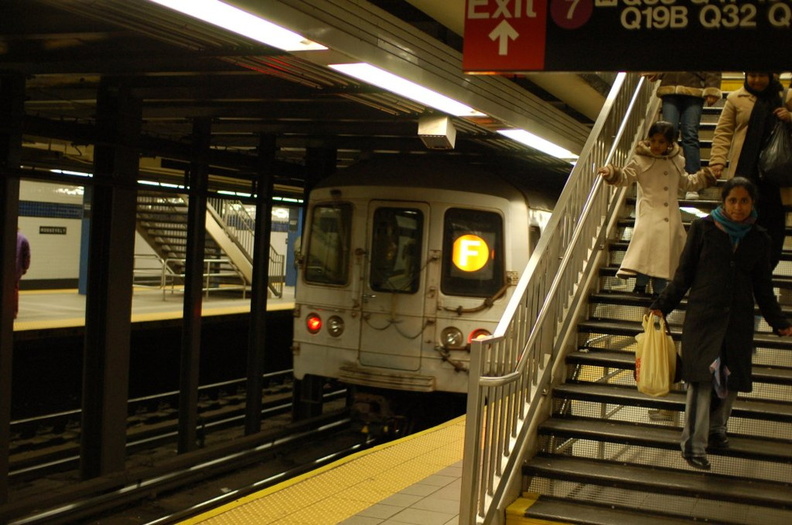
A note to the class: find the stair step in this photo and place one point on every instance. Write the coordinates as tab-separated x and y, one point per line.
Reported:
675	400
620	246
561	510
663	436
667	481
779	281
618	298
633	328
626	360
629	222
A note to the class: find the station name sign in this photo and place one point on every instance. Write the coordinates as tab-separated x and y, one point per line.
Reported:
503	36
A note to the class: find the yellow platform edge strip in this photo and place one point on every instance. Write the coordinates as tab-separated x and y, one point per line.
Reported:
457	422
515	513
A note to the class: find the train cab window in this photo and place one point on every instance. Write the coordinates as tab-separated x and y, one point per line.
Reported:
472	253
327	256
396	241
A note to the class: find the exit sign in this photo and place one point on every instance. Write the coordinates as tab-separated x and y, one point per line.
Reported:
512	36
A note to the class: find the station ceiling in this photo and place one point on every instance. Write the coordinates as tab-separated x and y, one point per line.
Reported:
183	69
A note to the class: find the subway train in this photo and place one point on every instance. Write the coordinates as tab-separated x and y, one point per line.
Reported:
403	262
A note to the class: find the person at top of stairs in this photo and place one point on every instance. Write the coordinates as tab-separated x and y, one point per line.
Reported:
725	265
683	94
657	166
745	123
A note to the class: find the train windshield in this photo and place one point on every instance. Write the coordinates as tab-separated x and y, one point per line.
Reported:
472	253
327	256
395	250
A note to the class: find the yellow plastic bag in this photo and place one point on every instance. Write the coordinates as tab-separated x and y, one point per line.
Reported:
655	358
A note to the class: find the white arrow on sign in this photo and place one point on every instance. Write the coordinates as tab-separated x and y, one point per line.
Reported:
503	32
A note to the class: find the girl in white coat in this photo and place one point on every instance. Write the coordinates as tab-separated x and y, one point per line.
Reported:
658	168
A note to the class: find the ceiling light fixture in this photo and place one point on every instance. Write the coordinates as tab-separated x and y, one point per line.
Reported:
243	23
406	88
536	142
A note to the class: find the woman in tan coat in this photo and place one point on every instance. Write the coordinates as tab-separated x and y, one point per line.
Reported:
658	235
743	127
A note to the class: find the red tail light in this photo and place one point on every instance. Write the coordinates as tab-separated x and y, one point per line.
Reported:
313	323
478	332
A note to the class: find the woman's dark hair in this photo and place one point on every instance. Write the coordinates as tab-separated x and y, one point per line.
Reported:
664	128
738	182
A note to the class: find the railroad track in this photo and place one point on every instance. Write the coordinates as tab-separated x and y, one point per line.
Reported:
44	478
49	443
302	446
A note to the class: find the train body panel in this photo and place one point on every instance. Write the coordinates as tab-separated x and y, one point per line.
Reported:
400	269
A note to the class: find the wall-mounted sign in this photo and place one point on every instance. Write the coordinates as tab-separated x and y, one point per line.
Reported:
504	36
52	230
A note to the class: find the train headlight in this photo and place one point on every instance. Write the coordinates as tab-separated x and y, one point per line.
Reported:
335	326
452	338
313	323
477	333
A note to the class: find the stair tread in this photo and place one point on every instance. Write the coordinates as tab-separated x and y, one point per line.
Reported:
626	359
572	511
668	480
663	436
675	400
633	328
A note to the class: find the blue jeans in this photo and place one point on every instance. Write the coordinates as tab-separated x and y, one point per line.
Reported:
684	112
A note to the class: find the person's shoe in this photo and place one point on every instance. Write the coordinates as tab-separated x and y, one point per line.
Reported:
639	290
699	462
691	196
656	414
718	441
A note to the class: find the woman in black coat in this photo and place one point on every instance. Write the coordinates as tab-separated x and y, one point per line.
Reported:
725	265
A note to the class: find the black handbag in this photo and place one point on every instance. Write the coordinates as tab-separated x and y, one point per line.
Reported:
775	159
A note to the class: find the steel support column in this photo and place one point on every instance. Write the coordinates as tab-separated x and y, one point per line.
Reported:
108	306
12	98
193	287
257	342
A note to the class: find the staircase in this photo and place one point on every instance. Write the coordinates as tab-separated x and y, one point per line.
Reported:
556	431
601	459
227	263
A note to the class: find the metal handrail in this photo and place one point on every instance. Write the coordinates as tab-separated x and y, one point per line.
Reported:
212	269
241	229
512	372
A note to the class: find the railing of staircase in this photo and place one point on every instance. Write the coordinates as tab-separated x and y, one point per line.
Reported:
512	371
277	271
241	228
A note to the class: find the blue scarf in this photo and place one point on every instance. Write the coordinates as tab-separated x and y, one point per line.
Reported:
735	230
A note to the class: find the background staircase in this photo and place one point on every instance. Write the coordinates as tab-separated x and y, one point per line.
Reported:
602	460
228	263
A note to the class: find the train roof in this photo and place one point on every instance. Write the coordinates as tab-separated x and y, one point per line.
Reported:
439	173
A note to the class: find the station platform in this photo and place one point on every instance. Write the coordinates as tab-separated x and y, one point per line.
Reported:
413	480
49	309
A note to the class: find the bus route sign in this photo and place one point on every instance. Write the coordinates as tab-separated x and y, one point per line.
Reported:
512	36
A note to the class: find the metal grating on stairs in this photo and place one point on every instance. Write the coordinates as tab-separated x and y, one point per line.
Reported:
605	459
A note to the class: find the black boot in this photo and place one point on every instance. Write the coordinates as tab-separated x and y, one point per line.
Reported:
639	290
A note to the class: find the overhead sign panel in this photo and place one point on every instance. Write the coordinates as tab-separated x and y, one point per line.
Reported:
503	36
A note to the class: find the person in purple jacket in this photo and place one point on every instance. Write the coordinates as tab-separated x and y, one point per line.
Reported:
22	265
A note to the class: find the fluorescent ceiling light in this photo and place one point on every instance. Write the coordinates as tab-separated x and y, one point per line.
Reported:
242	22
406	88
529	139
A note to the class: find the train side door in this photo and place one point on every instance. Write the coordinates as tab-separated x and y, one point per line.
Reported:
392	302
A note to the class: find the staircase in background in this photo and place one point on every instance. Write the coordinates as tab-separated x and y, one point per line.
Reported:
228	265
